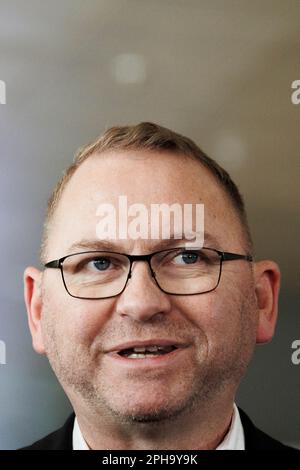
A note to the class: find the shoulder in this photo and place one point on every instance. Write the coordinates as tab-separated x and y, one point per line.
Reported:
57	440
255	439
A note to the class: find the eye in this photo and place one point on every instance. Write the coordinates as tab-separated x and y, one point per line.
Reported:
95	264
100	264
187	257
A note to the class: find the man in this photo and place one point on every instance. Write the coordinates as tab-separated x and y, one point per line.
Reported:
150	349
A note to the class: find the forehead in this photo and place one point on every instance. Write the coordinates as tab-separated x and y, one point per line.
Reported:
145	178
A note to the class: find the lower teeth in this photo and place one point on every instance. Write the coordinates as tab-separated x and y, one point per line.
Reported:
142	356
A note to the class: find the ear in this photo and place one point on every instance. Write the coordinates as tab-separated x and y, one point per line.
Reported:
267	285
33	301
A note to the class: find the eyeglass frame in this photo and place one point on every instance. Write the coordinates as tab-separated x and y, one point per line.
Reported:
223	256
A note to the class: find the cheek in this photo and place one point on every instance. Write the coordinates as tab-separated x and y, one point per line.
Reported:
232	325
207	312
71	319
217	315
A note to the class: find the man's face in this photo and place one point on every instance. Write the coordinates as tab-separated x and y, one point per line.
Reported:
218	328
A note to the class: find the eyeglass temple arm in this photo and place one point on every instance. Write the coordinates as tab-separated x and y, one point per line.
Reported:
53	264
233	256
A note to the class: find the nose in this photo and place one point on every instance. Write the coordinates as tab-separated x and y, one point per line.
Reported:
142	299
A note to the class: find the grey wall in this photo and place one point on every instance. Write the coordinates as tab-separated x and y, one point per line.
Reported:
218	71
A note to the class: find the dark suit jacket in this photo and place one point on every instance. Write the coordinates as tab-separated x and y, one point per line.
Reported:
254	438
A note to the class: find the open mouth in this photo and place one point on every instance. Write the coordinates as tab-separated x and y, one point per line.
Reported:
146	351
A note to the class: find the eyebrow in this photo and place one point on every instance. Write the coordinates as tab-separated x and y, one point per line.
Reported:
108	245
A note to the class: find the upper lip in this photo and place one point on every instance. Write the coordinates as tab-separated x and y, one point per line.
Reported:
148	342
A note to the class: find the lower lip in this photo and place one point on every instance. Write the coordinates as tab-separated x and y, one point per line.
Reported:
155	361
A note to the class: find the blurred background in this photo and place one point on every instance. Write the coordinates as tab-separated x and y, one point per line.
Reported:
218	71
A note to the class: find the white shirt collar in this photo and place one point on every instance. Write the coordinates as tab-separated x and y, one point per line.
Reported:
234	439
78	441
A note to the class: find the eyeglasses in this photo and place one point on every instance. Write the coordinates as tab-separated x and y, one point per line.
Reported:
178	271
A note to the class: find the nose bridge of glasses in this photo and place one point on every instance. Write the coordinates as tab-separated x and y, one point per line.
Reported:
144	258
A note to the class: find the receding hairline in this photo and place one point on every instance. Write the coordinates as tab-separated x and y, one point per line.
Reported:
149	138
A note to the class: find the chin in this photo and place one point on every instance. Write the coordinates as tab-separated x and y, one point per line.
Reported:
150	416
141	412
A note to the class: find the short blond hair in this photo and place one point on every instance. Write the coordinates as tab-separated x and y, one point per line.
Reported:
152	137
